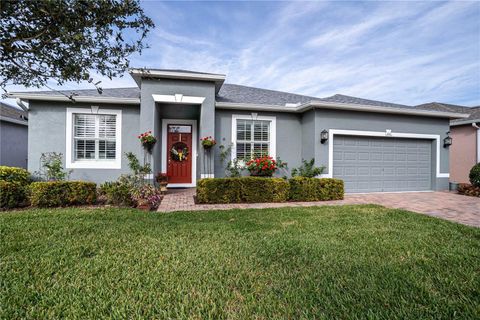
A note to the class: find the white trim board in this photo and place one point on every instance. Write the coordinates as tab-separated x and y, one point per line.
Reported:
93	164
177	98
193	123
339	106
88	99
254	116
333	132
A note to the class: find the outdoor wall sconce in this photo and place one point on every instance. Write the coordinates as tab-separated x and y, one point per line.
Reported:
447	142
323	136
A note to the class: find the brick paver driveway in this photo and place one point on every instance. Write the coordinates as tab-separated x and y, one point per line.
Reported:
445	205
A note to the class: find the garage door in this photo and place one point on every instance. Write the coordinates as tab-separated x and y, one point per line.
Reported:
369	164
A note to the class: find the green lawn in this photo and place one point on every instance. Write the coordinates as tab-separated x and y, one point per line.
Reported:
300	263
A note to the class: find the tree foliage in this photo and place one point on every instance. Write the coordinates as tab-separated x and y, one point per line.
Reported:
67	40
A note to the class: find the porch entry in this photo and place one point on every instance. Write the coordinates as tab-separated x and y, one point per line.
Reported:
179	153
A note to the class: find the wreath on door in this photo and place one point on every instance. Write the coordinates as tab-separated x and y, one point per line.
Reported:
179	152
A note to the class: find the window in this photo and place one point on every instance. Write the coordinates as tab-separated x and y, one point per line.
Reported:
94	137
93	140
253	137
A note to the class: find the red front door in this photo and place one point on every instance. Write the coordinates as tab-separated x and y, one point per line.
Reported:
179	153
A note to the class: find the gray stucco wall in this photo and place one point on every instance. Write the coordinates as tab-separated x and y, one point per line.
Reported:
289	136
308	135
13	144
348	120
47	133
150	117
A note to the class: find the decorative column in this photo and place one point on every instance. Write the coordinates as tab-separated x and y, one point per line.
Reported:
208	157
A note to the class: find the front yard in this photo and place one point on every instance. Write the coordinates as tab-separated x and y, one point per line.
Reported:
319	262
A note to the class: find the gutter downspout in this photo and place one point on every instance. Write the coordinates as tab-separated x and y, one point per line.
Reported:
22	105
478	140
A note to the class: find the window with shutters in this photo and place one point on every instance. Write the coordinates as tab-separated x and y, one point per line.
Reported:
94	136
253	137
93	139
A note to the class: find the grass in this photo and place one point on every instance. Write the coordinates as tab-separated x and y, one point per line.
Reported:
346	262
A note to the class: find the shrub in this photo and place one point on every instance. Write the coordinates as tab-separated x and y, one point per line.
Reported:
51	167
12	194
13	174
314	189
117	193
308	169
62	193
244	189
468	190
474	175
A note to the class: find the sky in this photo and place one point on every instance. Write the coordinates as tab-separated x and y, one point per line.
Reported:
406	52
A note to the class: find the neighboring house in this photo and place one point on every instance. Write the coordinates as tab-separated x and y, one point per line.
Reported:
371	145
465	150
13	136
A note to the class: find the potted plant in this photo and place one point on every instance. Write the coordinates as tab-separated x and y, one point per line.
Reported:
147	140
162	180
264	166
208	142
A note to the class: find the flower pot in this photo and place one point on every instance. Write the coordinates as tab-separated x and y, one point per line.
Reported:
144	207
207	145
149	147
260	173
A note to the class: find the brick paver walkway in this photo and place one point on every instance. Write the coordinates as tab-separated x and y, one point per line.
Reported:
446	205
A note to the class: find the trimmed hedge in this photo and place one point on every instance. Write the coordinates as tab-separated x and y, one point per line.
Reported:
12	195
14	174
242	190
315	189
62	193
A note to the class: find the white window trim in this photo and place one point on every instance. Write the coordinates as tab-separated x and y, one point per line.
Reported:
272	133
70	163
193	123
333	132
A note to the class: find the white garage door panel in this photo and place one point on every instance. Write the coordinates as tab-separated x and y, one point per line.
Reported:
372	164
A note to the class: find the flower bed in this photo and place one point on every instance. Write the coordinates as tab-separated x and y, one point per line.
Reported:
468	190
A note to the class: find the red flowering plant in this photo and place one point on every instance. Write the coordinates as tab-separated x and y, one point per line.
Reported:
208	142
264	166
147	140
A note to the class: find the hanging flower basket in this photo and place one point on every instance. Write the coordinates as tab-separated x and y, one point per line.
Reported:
147	140
208	142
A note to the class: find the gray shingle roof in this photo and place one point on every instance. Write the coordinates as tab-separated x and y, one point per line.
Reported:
242	94
9	111
474	112
354	100
234	93
437	106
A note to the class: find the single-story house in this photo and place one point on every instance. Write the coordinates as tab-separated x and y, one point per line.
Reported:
465	149
373	146
13	136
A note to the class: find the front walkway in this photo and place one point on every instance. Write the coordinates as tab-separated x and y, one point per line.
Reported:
444	205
